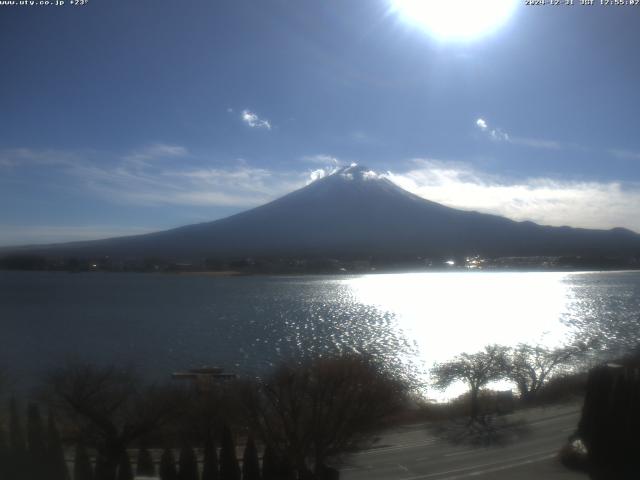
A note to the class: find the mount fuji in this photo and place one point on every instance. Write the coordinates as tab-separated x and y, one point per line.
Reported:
354	213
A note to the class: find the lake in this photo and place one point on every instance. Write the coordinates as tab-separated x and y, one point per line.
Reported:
162	323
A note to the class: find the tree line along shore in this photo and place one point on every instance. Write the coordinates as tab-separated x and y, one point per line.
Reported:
315	265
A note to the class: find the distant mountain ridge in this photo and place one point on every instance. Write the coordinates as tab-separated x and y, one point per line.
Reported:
355	213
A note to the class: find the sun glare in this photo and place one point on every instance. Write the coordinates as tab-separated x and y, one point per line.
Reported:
456	20
446	314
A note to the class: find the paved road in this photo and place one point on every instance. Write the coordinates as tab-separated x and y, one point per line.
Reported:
412	453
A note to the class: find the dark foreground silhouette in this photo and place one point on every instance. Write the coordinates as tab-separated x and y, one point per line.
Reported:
289	425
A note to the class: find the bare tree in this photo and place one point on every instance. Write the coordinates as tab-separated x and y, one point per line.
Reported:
206	412
476	369
109	408
531	366
322	408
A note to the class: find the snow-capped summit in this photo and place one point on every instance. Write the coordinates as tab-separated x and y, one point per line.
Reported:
358	212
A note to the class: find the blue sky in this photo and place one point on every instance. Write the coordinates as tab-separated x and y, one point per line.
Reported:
122	117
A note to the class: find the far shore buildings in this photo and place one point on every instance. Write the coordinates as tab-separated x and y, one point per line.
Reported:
204	378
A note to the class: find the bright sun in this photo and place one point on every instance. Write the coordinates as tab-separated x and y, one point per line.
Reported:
456	19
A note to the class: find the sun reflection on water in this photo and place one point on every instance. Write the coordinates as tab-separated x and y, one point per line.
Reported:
449	313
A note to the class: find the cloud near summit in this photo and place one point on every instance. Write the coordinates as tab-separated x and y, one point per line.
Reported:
548	201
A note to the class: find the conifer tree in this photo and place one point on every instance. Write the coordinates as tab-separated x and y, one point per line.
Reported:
168	466
210	469
229	468
56	463
36	447
270	464
188	464
286	470
250	462
144	466
125	472
16	464
82	469
16	435
103	470
4	453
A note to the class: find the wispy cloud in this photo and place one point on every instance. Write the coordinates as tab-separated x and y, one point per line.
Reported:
24	157
363	138
542	200
625	154
38	234
321	159
498	134
239	185
254	121
140	177
156	151
539	143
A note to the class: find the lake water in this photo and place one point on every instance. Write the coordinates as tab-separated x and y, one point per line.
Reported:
163	323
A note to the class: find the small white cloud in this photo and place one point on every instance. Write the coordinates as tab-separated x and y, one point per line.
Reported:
495	134
317	174
254	121
499	135
371	175
321	173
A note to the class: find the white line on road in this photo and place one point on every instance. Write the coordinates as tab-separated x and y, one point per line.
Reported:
555	418
503	467
525	459
396	447
464	452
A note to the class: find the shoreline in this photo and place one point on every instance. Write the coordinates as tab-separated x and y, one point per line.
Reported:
238	273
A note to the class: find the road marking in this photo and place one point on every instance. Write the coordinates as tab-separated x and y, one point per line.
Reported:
464	452
560	437
525	459
554	418
373	451
503	467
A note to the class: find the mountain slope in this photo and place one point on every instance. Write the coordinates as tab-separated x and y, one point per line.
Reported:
355	212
